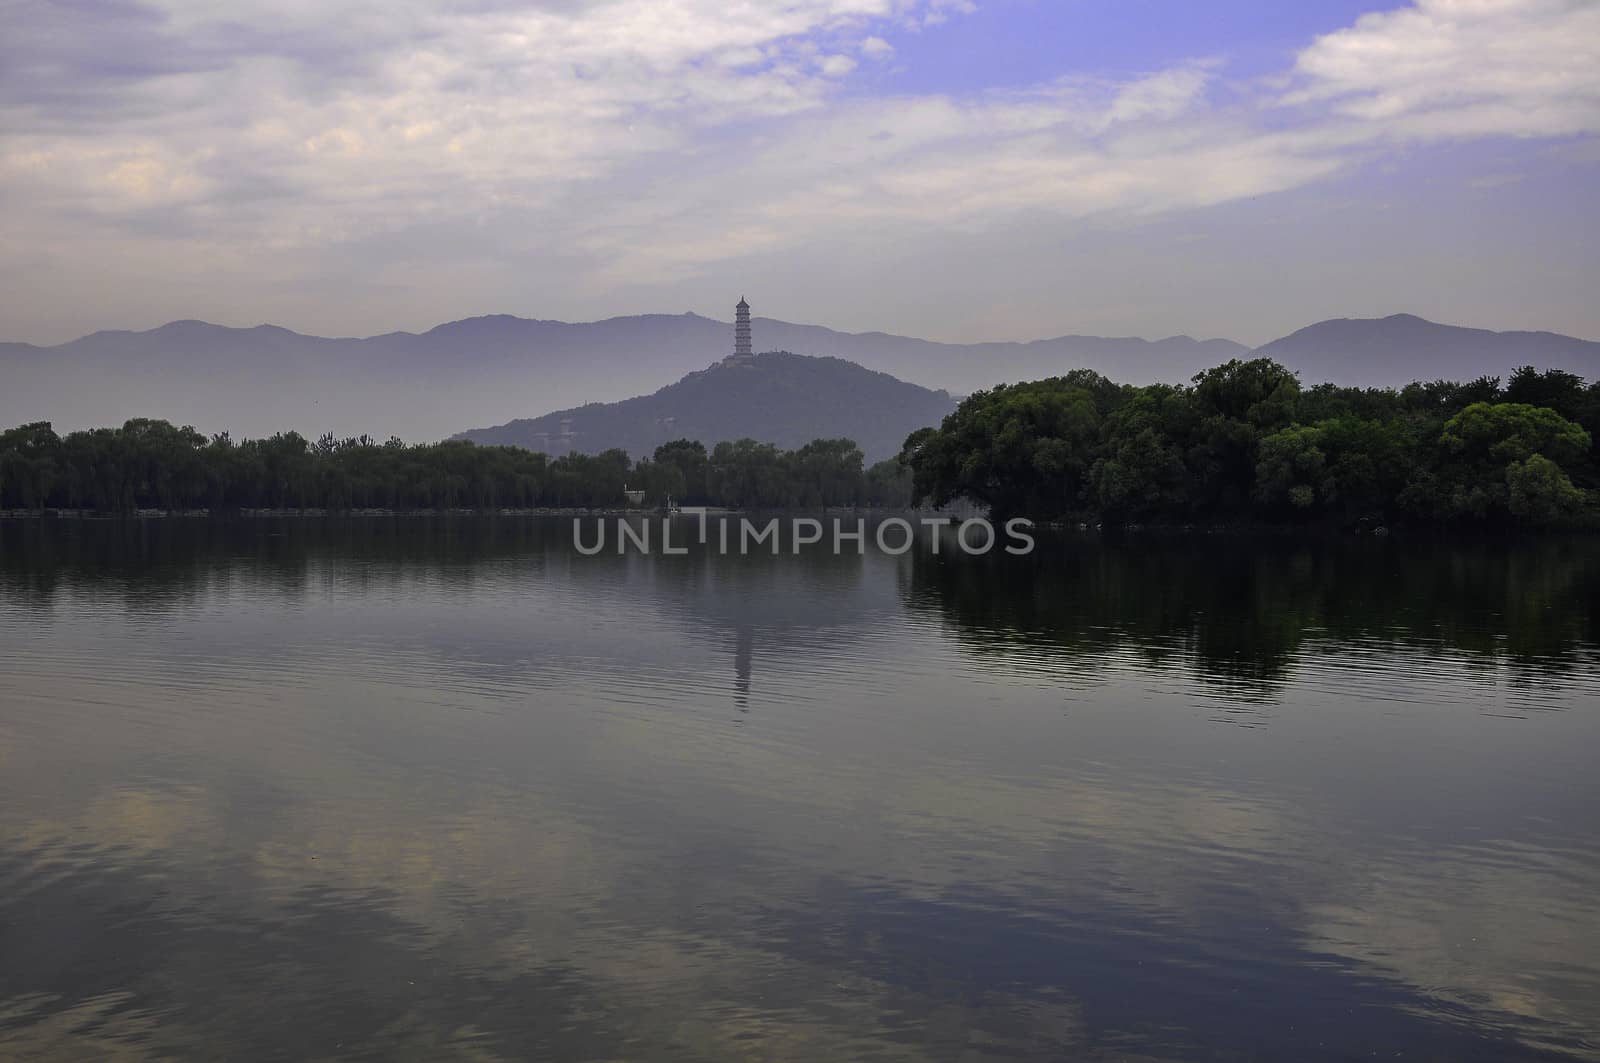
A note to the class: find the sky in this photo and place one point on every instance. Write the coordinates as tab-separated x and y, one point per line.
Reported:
953	169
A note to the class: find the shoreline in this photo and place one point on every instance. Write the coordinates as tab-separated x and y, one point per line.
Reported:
258	513
309	511
1579	527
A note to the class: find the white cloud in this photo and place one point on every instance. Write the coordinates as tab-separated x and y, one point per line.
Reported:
1168	94
939	12
876	48
1463	68
647	140
836	66
395	111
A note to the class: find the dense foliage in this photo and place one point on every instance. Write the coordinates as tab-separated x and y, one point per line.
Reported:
1243	442
149	464
1246	442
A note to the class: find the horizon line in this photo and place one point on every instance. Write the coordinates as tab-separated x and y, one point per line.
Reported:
776	321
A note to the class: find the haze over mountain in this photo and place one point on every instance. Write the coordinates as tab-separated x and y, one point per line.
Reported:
484	370
1394	351
492	370
782	398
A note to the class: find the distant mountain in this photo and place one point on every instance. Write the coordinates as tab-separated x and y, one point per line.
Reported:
266	379
781	398
964	368
1394	351
254	381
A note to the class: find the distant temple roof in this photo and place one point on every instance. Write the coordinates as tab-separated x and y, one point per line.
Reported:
743	303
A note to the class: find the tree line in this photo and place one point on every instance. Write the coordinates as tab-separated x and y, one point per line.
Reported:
1243	442
151	464
1246	442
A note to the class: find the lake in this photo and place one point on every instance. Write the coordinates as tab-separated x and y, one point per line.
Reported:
437	789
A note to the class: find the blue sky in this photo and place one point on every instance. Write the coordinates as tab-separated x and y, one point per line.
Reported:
956	169
1021	42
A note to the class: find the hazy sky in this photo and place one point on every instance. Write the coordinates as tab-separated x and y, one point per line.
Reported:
956	169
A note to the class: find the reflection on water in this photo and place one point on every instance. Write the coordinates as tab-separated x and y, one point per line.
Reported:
1245	612
446	790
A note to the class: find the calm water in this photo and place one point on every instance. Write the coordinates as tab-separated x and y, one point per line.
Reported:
437	790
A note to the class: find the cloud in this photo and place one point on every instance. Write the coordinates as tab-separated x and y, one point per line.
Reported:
647	140
1463	68
876	48
1168	94
836	66
411	102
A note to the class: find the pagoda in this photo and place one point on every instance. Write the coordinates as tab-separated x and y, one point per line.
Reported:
741	330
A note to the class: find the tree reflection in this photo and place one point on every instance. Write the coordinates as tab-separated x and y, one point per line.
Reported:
1242	608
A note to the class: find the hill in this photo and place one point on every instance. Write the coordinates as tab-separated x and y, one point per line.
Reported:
782	398
1394	351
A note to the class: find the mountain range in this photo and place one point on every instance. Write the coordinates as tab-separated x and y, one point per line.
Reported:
1394	351
499	369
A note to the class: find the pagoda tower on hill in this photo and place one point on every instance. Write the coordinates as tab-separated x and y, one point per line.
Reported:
741	330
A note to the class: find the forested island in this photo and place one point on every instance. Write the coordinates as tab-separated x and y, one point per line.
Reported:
1244	443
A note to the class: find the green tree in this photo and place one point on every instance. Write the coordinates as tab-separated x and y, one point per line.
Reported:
1292	470
1512	431
1018	449
30	465
688	458
1260	392
1539	492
